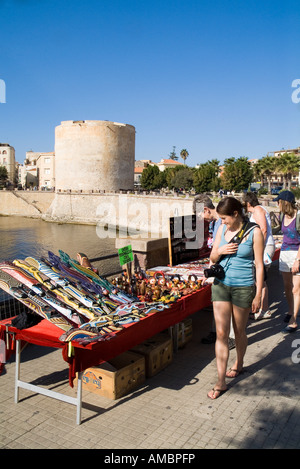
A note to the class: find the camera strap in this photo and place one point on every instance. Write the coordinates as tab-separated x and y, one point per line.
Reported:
247	227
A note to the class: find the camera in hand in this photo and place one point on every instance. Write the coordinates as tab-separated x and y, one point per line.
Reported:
215	270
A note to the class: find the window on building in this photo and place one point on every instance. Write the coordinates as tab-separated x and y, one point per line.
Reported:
47	171
46	160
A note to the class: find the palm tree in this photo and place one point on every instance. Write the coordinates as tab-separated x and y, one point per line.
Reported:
269	166
184	154
288	165
259	171
265	168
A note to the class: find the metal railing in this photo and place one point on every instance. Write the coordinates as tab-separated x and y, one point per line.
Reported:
10	307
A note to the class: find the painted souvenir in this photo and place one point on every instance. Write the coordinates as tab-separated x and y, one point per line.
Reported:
33	301
192	279
148	293
156	293
84	261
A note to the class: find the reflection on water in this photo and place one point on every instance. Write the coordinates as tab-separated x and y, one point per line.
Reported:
24	237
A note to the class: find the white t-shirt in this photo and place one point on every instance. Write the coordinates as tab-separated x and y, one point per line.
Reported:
269	238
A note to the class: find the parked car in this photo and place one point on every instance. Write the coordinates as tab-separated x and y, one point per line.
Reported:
276	190
251	189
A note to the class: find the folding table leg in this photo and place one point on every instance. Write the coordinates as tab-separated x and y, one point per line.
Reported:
79	398
17	371
77	401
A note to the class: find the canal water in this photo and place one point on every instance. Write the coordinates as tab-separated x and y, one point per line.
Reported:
25	237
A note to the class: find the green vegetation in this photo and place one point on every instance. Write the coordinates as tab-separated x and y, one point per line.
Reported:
286	165
3	176
237	174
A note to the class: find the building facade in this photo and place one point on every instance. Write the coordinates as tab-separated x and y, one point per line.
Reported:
168	163
38	171
277	180
46	170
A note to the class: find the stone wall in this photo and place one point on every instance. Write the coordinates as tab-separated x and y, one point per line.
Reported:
31	204
140	215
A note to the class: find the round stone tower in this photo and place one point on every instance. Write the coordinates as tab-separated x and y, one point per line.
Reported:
94	155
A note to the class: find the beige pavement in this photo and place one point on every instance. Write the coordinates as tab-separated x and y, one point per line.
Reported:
171	410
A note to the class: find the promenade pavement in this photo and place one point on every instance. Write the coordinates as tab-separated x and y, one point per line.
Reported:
261	408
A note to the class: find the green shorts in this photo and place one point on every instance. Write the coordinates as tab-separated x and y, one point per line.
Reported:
238	296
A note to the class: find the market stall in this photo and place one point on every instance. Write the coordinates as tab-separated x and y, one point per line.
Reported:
90	319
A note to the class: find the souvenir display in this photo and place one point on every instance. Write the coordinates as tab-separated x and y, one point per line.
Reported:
32	300
185	270
87	307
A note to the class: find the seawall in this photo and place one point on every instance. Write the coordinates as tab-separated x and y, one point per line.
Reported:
136	214
145	214
31	204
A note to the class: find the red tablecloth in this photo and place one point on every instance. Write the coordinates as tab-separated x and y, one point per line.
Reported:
46	334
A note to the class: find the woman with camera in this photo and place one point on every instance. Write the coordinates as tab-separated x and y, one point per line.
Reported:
237	287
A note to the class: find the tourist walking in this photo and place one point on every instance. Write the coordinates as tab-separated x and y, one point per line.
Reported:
239	289
260	215
289	259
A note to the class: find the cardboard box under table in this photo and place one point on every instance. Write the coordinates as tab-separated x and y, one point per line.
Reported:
46	334
116	378
184	331
158	353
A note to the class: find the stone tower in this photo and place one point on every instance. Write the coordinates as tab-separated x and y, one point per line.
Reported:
94	155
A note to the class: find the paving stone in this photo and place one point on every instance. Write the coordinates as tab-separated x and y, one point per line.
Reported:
171	411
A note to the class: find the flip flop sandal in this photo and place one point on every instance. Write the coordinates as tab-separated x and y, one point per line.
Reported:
262	315
267	314
233	370
289	329
216	390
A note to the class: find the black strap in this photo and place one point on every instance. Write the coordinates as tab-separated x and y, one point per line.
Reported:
244	231
247	227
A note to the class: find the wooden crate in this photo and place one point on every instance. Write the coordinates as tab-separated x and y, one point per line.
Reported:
185	332
117	377
158	353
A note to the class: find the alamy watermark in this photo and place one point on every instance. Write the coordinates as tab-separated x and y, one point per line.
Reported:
2	91
148	219
296	92
296	353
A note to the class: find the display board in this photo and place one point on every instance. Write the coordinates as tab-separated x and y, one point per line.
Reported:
188	237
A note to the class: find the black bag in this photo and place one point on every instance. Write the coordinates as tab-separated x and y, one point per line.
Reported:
24	320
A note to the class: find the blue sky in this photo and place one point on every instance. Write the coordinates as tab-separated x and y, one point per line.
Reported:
213	77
